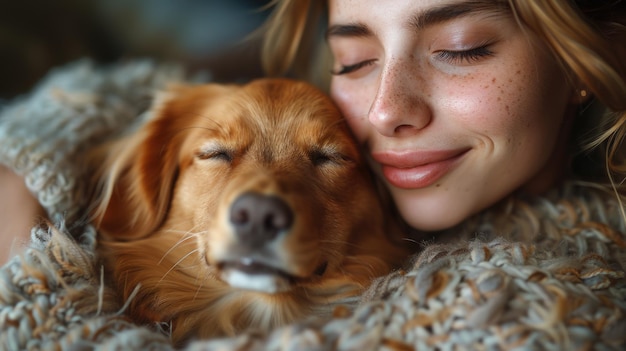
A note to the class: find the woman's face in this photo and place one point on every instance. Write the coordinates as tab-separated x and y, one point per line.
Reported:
457	106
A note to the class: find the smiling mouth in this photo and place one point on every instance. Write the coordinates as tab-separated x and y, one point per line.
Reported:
409	174
249	274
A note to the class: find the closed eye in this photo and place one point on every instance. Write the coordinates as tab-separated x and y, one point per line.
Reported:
353	68
216	154
464	56
321	157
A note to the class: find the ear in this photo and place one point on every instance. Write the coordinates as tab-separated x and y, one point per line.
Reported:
136	174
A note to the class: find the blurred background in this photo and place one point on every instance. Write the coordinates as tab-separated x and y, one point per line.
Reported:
36	35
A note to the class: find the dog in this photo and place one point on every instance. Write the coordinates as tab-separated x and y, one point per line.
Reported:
240	207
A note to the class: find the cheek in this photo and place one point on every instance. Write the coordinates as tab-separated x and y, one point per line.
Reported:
195	193
533	105
519	104
354	103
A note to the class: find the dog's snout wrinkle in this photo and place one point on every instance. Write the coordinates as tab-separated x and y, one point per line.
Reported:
259	219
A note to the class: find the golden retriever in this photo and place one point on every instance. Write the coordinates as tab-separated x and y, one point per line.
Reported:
240	207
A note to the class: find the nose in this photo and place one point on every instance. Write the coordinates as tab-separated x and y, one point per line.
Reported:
399	107
259	219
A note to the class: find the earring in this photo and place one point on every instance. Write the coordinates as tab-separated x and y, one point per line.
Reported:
582	92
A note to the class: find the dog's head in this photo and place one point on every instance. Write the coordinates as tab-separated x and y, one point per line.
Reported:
264	179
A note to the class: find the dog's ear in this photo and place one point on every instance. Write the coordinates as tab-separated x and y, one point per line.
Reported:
136	174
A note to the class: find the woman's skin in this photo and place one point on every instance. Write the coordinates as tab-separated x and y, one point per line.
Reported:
457	106
17	215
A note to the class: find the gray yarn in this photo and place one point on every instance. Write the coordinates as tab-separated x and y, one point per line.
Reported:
546	274
73	108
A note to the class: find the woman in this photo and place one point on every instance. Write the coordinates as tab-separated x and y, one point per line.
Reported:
463	103
501	120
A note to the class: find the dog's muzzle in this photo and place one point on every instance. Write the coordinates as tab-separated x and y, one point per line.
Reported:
259	221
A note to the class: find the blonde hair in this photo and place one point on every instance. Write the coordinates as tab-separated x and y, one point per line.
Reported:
293	42
582	35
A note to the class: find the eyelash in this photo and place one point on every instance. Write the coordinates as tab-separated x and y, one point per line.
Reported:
467	56
352	68
217	154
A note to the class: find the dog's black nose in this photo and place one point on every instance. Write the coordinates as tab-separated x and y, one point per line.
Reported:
259	218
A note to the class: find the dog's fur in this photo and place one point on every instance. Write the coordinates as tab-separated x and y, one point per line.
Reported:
240	207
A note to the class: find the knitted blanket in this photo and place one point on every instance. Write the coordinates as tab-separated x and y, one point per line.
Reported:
543	273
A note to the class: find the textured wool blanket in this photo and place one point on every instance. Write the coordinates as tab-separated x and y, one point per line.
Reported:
532	274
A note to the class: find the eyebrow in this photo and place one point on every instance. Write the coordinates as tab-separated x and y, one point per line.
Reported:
348	30
425	18
452	11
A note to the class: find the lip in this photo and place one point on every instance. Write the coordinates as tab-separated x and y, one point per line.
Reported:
417	169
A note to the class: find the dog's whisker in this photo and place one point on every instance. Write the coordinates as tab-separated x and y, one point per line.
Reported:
200	285
175	231
186	237
178	262
409	240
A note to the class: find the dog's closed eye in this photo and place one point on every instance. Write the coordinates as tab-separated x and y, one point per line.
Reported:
323	157
216	152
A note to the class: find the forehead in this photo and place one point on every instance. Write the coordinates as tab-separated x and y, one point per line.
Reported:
276	110
364	14
274	104
273	121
